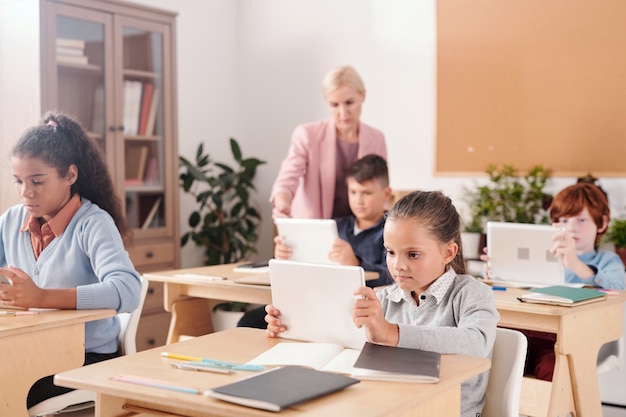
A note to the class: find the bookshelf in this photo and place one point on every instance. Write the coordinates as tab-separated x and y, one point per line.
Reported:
112	65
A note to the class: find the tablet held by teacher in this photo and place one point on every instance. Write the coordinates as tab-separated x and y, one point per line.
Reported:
311	180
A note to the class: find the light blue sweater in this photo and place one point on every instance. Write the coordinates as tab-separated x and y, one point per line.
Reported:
609	270
456	316
90	256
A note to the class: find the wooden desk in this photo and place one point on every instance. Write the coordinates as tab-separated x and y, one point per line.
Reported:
37	346
187	298
366	399
580	332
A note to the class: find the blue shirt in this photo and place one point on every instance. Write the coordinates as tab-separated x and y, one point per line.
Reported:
608	267
89	255
367	247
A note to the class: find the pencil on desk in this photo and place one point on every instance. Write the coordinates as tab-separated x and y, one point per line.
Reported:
155	383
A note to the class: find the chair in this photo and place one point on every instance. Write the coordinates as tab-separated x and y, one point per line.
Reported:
507	370
82	399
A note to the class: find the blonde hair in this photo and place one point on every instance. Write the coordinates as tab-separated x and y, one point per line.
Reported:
341	76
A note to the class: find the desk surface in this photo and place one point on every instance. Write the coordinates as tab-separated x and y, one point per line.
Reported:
369	398
37	346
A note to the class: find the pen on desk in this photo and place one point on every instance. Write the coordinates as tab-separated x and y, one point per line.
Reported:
202	368
155	383
213	363
202	277
497	288
18	313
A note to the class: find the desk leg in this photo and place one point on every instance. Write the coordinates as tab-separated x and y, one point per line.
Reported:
581	343
190	317
23	362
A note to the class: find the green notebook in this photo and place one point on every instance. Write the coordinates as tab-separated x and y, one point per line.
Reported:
562	295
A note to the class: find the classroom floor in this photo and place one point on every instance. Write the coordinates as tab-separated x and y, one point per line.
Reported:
607	411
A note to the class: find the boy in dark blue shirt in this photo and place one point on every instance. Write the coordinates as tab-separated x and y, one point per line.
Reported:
360	239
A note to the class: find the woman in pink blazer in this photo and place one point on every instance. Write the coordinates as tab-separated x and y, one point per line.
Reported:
311	181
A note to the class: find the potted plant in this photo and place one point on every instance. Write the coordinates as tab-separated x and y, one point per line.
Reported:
616	234
226	221
507	197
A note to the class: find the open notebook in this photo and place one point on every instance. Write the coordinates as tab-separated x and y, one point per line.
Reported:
519	255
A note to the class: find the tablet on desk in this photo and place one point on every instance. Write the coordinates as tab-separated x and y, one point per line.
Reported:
310	239
316	301
519	255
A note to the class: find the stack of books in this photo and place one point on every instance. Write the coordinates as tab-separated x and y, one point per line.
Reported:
71	51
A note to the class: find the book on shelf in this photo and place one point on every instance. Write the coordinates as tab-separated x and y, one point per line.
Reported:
66	50
136	158
562	295
151	176
331	357
70	43
146	102
151	215
132	106
279	388
97	119
72	59
154	106
391	363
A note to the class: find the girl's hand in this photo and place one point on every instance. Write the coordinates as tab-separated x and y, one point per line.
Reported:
281	251
342	253
368	313
23	293
274	326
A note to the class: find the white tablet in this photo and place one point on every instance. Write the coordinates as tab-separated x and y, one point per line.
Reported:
316	301
520	254
310	239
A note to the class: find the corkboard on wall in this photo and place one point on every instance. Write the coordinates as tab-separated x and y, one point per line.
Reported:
529	82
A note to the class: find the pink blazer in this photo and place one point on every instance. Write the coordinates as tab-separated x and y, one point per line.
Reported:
308	171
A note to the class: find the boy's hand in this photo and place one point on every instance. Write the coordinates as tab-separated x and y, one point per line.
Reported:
342	253
367	312
274	326
281	251
565	248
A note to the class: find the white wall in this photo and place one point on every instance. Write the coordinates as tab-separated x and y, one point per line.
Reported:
19	83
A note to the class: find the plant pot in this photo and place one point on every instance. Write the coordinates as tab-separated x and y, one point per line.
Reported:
224	320
471	245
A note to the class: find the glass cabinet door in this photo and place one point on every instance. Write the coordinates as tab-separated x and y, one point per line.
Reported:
79	79
140	49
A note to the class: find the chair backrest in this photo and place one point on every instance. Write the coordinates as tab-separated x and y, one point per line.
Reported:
611	354
129	323
505	378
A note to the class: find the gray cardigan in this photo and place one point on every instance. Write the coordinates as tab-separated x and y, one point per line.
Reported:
456	315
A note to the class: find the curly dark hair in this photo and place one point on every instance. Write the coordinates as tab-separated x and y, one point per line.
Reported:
60	141
434	210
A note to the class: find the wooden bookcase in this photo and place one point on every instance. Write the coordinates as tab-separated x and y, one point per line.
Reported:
112	65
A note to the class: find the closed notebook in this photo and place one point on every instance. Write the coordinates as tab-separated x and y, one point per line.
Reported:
389	363
280	388
562	295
